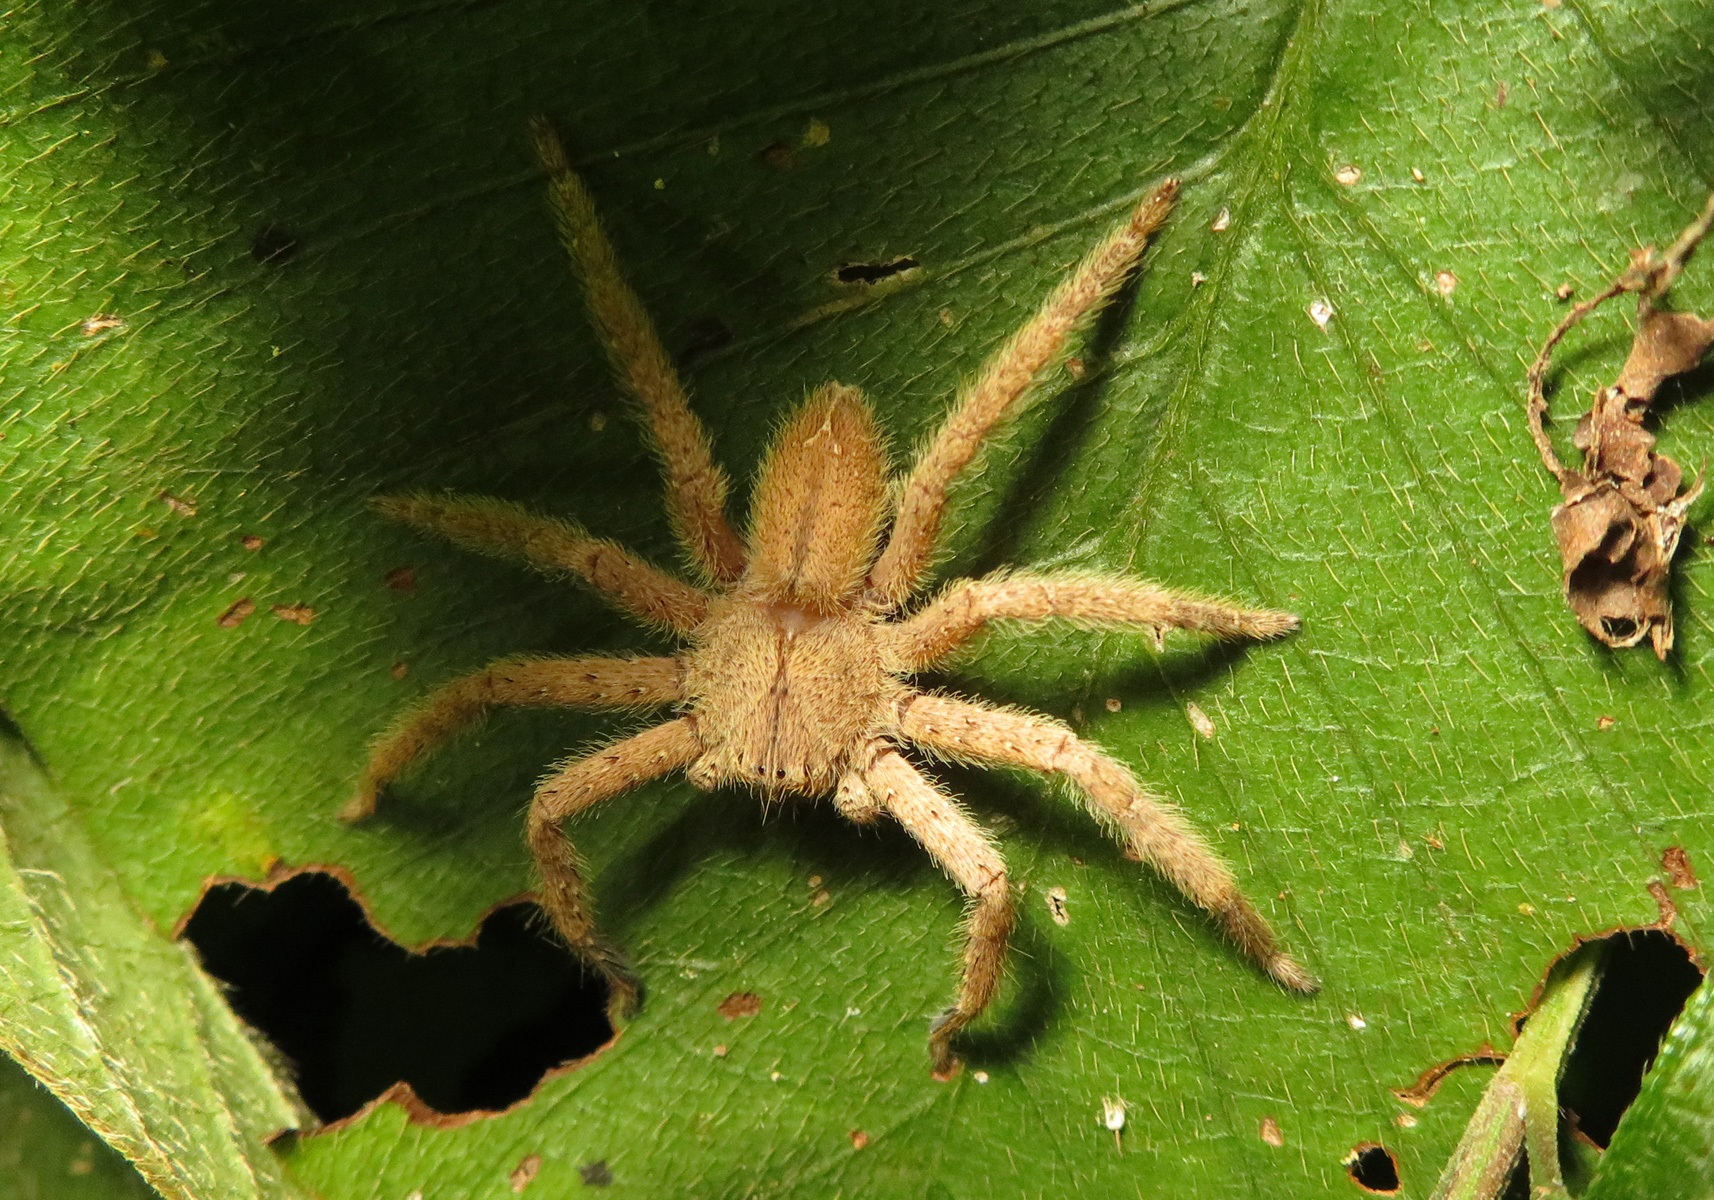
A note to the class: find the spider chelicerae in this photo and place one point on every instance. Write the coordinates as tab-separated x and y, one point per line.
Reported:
799	640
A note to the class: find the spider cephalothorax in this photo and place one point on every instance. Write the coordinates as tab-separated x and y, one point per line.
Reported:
796	677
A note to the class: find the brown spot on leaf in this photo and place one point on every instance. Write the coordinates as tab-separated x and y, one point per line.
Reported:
1270	1131
233	617
859	1139
739	1004
1418	1093
1676	863
402	579
1619	522
101	323
777	155
399	669
1668	910
298	614
83	1162
251	542
1604	722
525	1172
184	506
720	1051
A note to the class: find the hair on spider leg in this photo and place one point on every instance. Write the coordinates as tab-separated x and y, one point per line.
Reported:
799	645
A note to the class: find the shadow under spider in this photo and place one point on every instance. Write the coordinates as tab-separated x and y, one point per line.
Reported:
884	857
1146	678
875	858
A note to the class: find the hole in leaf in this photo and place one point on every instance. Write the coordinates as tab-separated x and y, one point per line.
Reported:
1374	1169
470	1028
274	245
1648	977
704	337
875	272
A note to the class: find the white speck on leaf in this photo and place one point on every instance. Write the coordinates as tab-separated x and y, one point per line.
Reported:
1320	312
1199	720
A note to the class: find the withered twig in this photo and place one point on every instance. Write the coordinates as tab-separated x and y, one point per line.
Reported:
1538	375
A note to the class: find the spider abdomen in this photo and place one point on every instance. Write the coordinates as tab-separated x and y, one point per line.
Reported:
781	695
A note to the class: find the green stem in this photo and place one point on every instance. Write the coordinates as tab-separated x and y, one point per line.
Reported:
1520	1110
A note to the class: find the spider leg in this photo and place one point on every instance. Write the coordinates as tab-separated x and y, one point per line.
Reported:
1155	830
509	531
606	683
965	853
567	792
961	611
984	401
696	487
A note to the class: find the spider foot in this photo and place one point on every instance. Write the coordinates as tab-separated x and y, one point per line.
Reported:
941	1031
1290	973
361	806
624	986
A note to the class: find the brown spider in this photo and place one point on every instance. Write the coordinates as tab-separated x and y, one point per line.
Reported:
796	678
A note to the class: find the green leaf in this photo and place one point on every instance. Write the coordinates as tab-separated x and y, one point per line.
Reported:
119	1022
1664	1146
48	1154
270	260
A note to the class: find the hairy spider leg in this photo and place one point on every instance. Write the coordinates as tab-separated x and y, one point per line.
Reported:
1155	830
965	852
572	789
503	530
964	609
995	391
696	486
596	683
